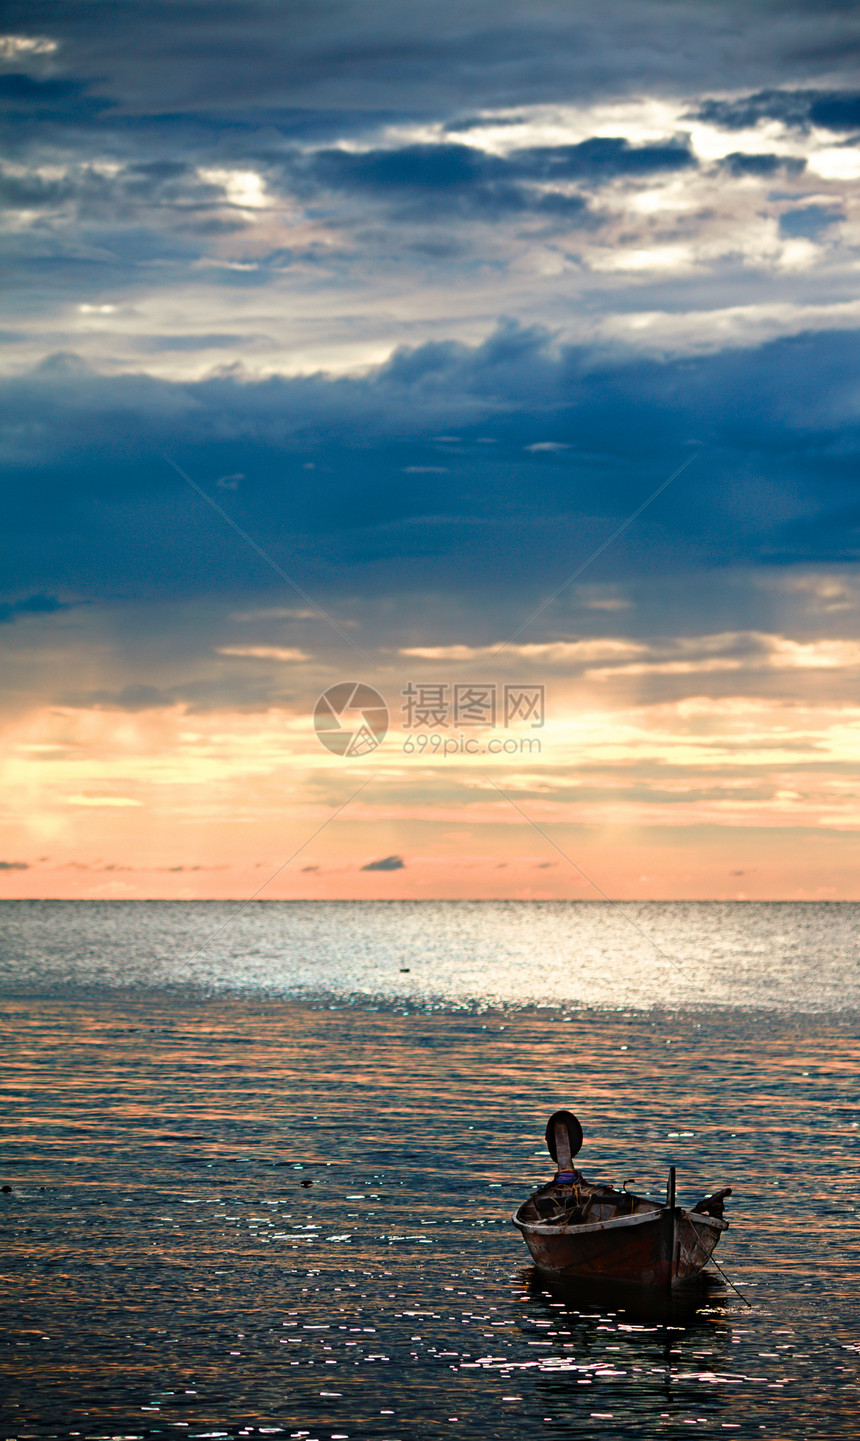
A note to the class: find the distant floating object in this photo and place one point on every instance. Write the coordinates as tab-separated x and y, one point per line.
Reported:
577	1230
404	970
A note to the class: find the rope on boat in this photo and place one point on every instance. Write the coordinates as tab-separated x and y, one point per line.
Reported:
731	1283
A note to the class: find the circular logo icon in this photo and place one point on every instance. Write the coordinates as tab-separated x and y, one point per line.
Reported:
351	719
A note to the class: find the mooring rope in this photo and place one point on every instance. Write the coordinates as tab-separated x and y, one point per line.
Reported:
731	1283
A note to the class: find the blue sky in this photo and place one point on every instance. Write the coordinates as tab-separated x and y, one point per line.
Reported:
430	299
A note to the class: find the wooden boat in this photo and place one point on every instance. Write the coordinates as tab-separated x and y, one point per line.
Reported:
575	1229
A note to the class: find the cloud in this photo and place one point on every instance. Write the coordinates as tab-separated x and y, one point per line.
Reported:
11	611
103	802
388	863
263	652
139	870
174	869
168	242
566	653
836	112
136	696
796	109
23	47
172	197
442	169
740	163
15	866
196	692
277	612
442	177
745	112
604	157
175	193
768	486
808	221
426	181
30	99
383	60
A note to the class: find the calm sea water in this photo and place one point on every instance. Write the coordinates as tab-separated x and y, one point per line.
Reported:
166	1271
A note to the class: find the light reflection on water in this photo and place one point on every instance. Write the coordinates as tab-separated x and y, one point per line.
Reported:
175	1276
449	953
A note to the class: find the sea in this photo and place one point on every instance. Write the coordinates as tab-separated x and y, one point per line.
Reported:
259	1164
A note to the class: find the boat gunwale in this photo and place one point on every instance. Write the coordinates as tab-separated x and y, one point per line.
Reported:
640	1218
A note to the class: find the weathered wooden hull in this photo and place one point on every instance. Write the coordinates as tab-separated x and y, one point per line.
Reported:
658	1248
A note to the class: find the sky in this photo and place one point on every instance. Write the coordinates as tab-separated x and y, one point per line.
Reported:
501	359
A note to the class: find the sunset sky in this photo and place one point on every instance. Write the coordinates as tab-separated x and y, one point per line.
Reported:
430	301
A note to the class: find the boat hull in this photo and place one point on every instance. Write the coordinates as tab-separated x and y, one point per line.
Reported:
658	1248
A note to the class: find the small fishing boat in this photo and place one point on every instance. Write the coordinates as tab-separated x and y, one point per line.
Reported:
578	1230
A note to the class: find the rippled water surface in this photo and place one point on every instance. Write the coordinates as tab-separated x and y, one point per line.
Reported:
165	1269
774	956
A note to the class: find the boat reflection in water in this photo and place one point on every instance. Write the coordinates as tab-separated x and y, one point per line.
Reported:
631	1352
696	1305
576	1230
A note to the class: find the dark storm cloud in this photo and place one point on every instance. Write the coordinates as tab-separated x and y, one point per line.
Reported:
836	112
740	164
605	158
414	167
438	179
832	110
169	93
442	178
746	111
99	514
452	166
448	177
205	56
